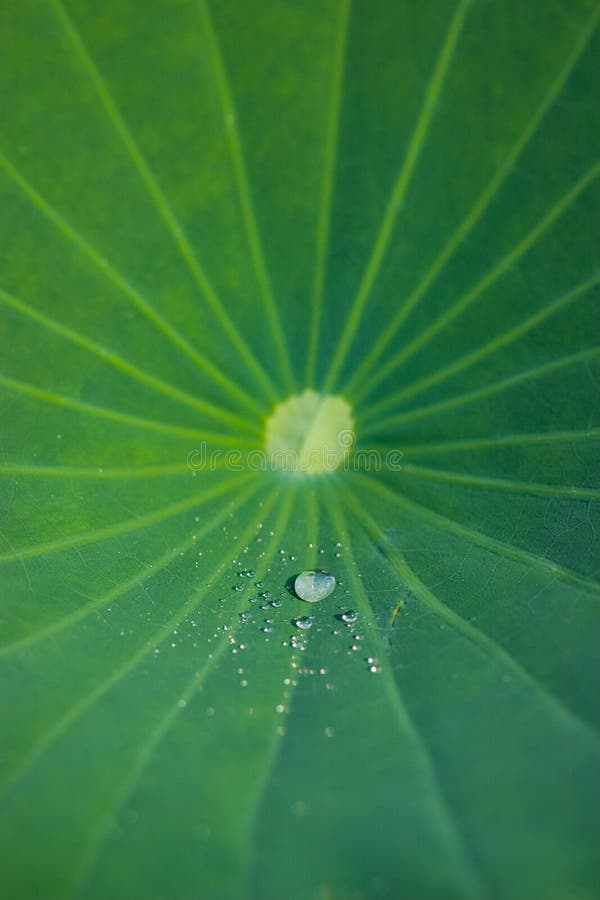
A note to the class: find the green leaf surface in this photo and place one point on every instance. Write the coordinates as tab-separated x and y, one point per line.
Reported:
208	207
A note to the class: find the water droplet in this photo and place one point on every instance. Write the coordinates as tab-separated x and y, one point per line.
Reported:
267	629
349	616
313	586
276	603
297	643
239	587
304	622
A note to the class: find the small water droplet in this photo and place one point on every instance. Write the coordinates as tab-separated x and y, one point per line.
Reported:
303	622
349	616
239	587
276	603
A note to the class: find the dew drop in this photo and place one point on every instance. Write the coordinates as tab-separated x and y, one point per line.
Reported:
313	586
303	622
349	616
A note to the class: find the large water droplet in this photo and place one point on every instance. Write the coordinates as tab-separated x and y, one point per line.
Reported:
313	586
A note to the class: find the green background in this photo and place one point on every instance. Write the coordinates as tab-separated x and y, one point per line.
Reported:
206	208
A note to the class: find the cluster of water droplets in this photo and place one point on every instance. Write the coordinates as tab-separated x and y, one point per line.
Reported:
264	602
312	586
